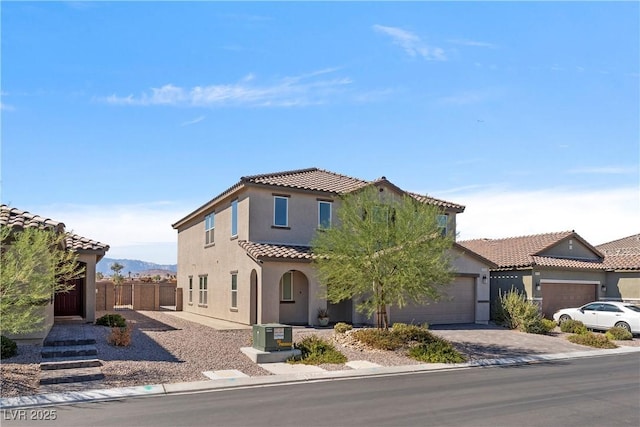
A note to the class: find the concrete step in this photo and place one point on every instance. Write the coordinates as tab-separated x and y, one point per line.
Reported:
73	362
68	351
68	342
61	376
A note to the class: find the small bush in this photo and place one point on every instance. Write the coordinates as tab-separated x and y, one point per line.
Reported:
514	311
618	334
407	333
341	327
539	325
573	327
316	351
439	351
8	347
592	340
120	337
112	320
378	338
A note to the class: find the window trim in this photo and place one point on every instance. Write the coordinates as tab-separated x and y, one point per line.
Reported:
234	218
282	285
209	228
234	292
190	292
286	212
203	290
444	229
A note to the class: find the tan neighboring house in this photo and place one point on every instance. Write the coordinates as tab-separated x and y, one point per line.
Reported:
622	265
79	303
245	255
559	270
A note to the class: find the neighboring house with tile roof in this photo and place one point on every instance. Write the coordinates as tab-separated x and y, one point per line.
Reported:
245	255
80	301
560	270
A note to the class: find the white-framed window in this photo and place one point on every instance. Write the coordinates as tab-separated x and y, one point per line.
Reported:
209	227
234	218
234	290
286	286
324	214
190	289
280	211
443	221
202	296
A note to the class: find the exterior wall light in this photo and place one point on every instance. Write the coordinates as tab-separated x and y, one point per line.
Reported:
537	286
484	279
603	288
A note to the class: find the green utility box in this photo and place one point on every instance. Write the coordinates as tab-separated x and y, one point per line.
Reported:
272	337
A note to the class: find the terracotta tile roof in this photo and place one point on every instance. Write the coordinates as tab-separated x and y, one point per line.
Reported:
622	254
262	251
15	218
625	246
514	252
311	179
546	261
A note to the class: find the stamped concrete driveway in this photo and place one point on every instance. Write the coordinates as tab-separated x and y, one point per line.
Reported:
491	341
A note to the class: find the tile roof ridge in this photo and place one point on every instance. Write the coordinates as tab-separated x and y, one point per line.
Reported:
272	174
636	236
42	221
345	176
526	236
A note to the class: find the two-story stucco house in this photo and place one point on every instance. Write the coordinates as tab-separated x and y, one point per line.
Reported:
244	256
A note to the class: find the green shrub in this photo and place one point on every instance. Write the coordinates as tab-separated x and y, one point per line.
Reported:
618	334
8	347
341	327
592	340
407	333
316	351
573	327
378	338
112	320
538	325
440	351
514	311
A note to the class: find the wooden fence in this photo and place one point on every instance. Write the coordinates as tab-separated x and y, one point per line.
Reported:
138	296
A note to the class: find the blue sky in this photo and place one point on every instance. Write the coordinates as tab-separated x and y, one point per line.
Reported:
120	118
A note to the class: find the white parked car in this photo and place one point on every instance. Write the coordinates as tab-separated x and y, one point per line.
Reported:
603	315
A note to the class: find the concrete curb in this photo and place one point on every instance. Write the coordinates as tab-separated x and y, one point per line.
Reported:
231	383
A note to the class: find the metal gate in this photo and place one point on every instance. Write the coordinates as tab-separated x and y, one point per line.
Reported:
123	296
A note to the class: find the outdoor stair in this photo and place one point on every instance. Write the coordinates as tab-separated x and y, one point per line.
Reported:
67	360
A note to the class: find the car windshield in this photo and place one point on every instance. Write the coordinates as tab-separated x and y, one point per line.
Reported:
633	307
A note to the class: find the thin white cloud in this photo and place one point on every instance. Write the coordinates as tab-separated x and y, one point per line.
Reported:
192	122
125	227
6	107
604	170
499	212
473	43
306	89
472	96
411	43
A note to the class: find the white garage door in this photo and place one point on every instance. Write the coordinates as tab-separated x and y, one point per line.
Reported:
458	307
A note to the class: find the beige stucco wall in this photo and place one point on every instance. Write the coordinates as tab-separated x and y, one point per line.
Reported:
623	285
90	260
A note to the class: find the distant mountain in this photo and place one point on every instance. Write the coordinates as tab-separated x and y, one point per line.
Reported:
134	266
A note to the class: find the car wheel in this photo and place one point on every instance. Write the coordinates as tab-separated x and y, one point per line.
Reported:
564	318
623	325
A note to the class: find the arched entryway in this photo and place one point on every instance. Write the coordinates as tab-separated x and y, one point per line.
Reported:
294	298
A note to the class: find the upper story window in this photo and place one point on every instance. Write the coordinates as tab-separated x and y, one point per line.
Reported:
324	214
209	226
280	211
234	218
443	222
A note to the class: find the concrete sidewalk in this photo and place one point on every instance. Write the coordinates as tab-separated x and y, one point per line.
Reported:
291	376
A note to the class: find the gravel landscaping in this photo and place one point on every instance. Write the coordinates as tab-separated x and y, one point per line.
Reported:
167	349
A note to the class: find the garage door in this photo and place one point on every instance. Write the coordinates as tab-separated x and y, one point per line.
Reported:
563	295
460	307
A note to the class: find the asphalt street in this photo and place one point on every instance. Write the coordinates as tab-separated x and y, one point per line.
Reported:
593	391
